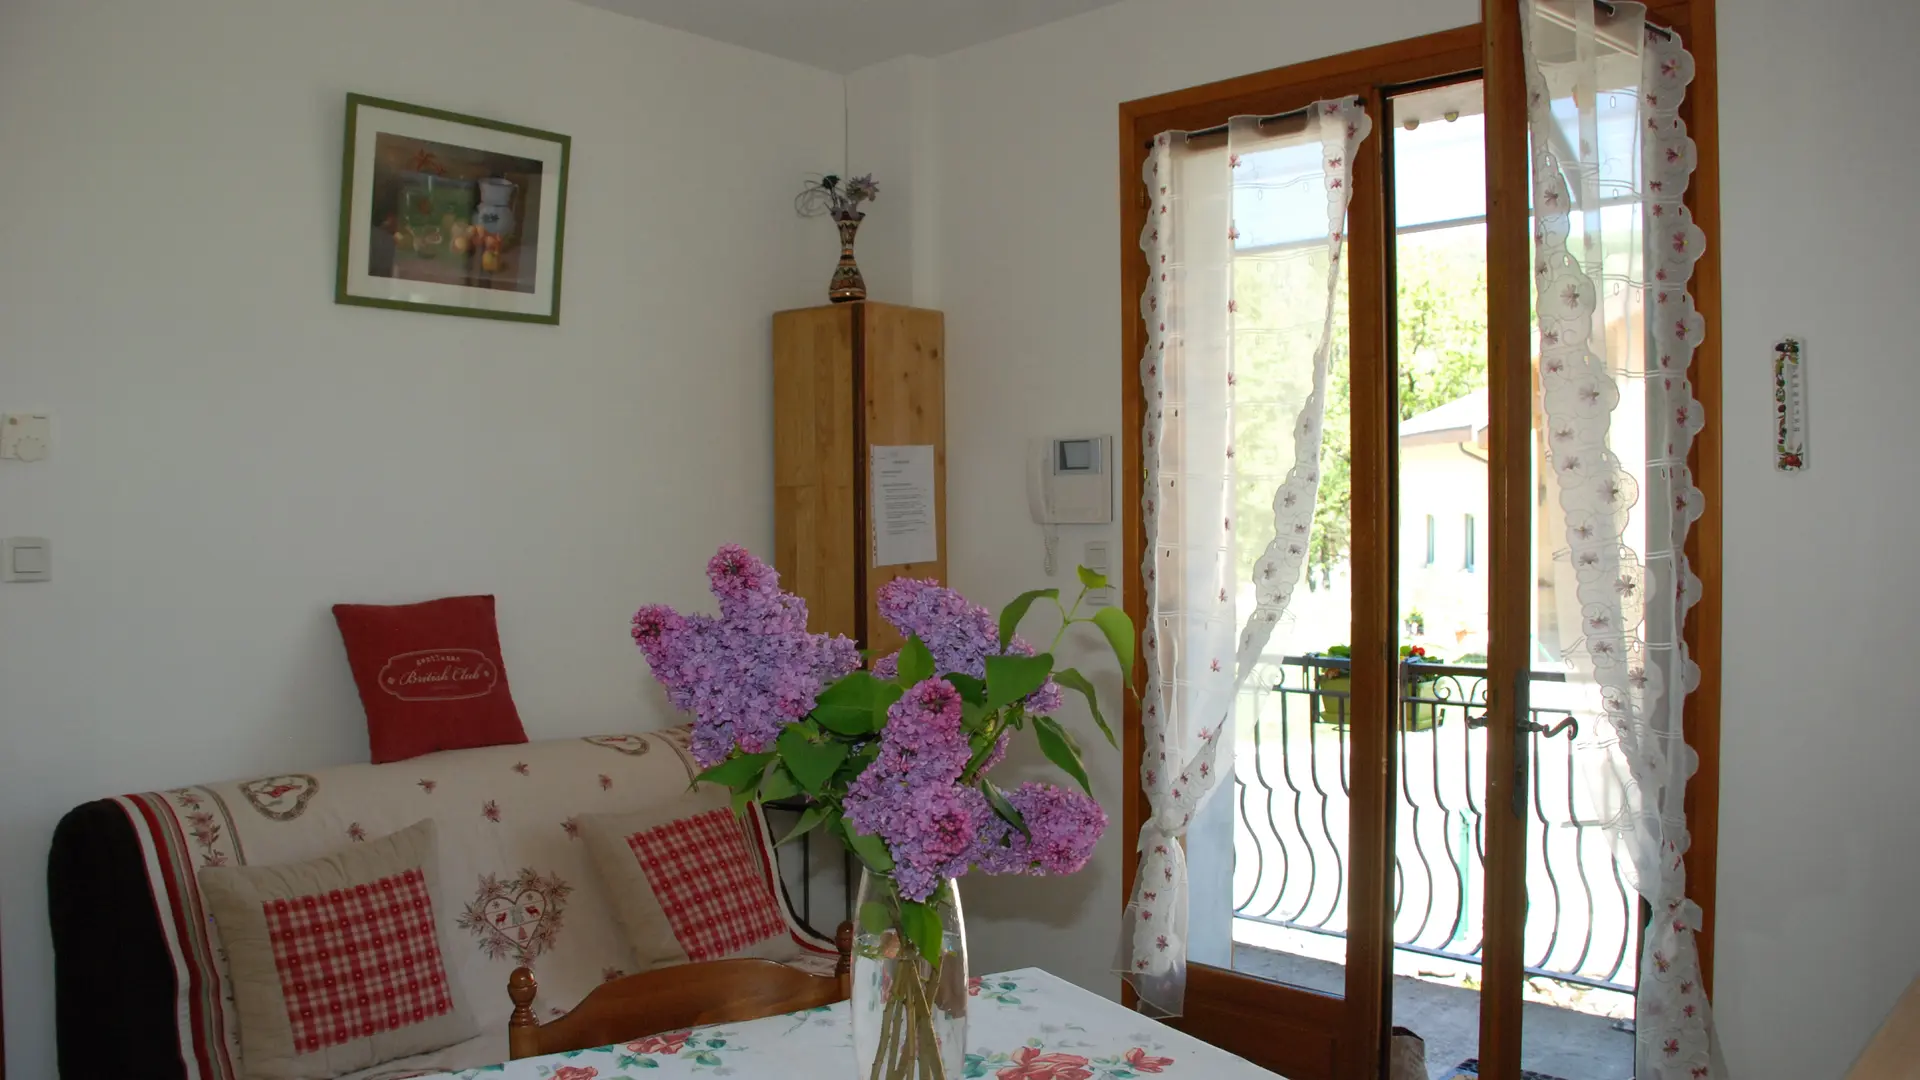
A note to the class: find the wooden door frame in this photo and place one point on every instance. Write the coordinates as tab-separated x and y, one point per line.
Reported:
1510	504
1355	1053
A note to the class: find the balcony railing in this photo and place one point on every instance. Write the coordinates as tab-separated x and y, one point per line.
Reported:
1291	784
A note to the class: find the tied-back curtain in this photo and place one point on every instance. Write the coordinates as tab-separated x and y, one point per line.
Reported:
1204	632
1615	247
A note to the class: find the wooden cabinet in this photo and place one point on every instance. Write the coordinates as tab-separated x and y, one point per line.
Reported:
847	378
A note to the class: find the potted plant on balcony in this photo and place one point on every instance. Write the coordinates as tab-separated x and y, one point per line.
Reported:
1333	686
1419	715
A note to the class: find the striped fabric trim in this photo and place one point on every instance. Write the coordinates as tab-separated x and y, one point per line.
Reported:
762	840
183	920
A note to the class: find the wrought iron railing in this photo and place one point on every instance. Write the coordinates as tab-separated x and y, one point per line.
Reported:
1291	784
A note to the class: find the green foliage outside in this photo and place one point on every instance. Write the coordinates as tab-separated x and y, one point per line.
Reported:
1442	309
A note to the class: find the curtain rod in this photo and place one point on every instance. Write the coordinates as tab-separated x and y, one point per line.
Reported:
1221	129
1655	27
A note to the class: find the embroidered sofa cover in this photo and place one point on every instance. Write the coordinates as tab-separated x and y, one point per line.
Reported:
139	963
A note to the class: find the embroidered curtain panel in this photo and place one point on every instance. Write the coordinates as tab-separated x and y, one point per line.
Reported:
1614	250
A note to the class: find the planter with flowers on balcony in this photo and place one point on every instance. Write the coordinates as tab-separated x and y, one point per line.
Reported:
1333	686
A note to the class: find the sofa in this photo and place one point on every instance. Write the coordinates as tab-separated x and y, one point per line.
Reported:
138	962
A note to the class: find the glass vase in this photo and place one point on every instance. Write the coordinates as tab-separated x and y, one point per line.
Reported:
848	284
909	1015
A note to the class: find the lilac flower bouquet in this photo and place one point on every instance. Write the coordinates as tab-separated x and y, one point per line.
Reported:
894	761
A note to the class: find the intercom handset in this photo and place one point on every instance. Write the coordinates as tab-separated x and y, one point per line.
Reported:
1069	482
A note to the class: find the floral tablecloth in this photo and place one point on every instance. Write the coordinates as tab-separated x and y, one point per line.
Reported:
1022	1025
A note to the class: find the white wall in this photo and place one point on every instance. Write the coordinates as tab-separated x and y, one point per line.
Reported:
891	133
1820	808
234	453
1820	817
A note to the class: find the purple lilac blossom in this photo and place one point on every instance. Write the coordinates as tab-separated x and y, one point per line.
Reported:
1065	825
959	634
910	796
749	672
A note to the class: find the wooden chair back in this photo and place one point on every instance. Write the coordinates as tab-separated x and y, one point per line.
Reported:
674	999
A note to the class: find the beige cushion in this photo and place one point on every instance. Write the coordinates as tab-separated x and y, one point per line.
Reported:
686	883
339	963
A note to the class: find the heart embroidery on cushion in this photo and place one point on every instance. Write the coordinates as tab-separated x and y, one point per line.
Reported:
281	798
517	917
632	745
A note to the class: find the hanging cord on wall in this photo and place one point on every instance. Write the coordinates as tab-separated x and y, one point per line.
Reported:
1051	536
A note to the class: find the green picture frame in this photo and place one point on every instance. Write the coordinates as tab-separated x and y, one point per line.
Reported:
451	214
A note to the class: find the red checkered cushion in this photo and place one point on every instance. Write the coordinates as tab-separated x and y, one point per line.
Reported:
708	884
358	960
337	964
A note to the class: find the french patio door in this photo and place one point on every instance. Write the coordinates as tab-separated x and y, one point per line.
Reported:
1409	836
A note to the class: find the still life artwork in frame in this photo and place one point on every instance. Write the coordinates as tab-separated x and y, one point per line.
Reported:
450	214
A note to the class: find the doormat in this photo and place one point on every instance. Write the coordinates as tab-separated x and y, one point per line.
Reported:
1470	1070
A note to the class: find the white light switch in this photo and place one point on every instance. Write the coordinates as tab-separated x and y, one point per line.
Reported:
25	436
1096	557
26	558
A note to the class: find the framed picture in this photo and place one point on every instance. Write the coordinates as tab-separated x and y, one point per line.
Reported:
450	214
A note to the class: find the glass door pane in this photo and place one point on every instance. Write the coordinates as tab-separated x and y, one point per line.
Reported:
1269	867
1439	328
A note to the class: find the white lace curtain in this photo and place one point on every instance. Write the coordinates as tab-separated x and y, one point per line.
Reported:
1199	409
1615	248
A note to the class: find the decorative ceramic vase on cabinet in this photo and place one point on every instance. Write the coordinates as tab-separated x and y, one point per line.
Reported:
848	284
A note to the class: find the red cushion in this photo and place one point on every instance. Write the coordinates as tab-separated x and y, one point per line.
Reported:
430	676
707	883
358	961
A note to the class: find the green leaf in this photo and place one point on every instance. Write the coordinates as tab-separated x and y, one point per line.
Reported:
870	849
1073	680
916	663
813	763
1011	678
922	927
856	704
1119	630
810	819
1007	811
974	717
1058	744
874	918
707	1058
853	688
1092	579
1010	617
778	785
742	800
737	772
971	689
844	719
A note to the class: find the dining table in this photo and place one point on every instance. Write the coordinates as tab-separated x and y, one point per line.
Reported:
1021	1025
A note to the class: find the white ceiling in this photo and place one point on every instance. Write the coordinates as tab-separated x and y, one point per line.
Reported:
842	35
